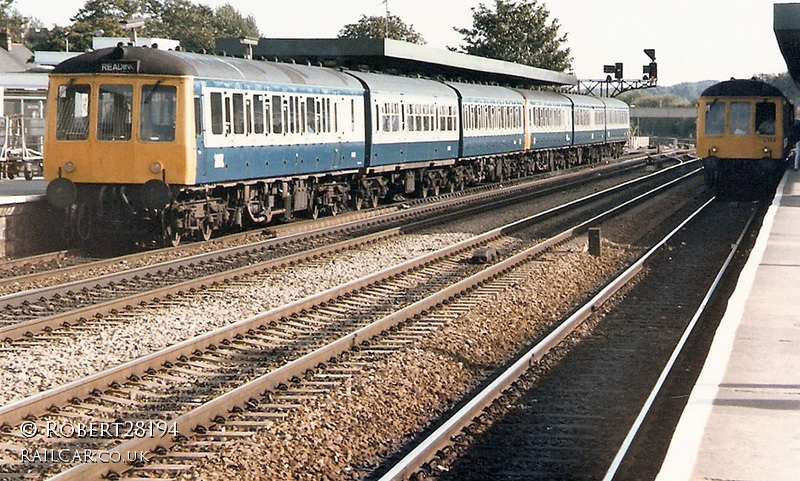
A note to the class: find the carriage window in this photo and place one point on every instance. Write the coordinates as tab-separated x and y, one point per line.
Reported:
765	118
258	114
217	117
72	109
238	113
157	113
740	118
114	112
277	114
311	116
715	118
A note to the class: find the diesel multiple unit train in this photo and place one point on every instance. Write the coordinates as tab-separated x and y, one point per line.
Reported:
175	145
742	132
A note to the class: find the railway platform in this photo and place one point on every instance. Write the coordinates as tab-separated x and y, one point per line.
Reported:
21	191
742	419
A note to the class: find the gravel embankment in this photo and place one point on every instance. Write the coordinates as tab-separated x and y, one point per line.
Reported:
31	370
344	434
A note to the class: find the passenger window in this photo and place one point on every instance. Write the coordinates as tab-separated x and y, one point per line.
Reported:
114	112
157	122
311	116
277	114
258	114
765	118
740	118
72	112
238	113
267	116
217	117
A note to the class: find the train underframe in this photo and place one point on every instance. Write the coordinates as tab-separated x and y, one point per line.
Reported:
157	214
743	179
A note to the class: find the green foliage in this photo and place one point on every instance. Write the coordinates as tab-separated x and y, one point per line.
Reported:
517	32
11	19
785	84
195	26
375	27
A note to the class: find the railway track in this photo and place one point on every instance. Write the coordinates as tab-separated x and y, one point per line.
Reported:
27	313
579	420
32	272
304	334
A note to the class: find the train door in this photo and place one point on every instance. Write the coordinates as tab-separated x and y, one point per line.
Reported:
198	132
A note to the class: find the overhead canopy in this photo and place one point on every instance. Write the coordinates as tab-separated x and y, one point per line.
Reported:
786	18
396	57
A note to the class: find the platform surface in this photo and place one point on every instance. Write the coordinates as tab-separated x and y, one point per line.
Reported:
18	191
742	420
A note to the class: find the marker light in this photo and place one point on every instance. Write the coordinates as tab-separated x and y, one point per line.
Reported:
69	166
156	167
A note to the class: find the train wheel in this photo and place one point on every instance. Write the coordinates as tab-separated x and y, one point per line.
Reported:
205	231
172	233
172	237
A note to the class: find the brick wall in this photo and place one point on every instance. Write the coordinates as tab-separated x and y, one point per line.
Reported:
29	228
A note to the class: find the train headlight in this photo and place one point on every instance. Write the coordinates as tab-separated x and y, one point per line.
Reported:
767	151
714	149
69	166
156	167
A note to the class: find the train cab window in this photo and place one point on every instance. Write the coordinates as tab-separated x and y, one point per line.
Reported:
114	112
157	113
765	118
715	118
740	118
72	112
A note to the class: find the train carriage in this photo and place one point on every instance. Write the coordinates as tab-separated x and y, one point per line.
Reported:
617	120
588	119
202	132
413	120
492	117
549	120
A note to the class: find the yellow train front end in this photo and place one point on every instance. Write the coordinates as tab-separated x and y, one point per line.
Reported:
119	130
118	146
742	129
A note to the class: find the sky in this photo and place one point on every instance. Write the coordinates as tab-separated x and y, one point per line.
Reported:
694	39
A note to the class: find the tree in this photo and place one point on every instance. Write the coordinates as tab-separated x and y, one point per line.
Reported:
197	26
12	20
375	27
516	32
